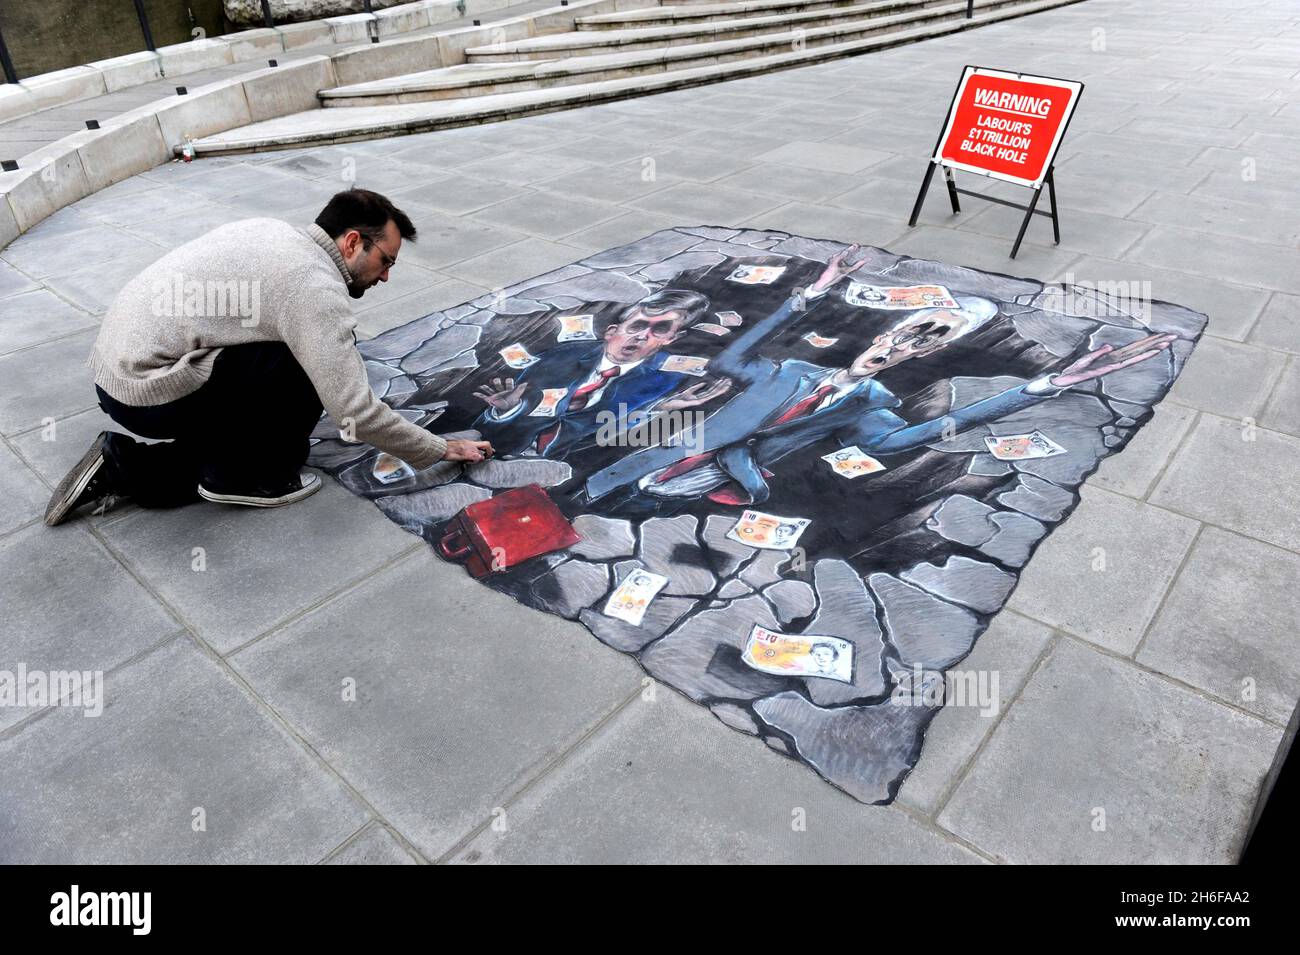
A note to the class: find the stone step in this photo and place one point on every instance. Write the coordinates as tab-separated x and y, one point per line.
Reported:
702	12
785	30
482	79
322	126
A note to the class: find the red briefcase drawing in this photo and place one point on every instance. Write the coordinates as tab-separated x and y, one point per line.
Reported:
506	530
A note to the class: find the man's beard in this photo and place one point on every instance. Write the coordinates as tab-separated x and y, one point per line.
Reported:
355	290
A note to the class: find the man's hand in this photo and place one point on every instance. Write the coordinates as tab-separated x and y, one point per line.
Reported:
461	450
1087	368
696	395
502	396
840	265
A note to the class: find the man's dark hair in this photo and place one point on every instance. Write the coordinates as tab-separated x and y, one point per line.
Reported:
367	212
692	305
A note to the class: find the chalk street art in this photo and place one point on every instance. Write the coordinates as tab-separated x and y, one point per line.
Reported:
794	479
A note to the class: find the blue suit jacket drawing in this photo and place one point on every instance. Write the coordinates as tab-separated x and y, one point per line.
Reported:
567	366
763	387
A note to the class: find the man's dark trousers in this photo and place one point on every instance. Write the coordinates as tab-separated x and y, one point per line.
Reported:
244	429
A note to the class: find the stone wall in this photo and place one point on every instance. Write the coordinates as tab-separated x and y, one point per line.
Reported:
48	35
247	13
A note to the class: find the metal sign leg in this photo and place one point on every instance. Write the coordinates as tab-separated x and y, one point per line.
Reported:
1029	214
1051	194
951	179
920	196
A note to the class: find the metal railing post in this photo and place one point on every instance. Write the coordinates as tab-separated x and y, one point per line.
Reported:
144	26
267	19
970	9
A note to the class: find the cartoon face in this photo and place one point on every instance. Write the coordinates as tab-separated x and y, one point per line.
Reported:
639	336
918	335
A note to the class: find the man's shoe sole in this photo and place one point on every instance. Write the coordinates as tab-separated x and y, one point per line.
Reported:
311	484
74	482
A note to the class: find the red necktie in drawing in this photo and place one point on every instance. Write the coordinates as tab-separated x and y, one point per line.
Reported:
576	403
804	405
583	394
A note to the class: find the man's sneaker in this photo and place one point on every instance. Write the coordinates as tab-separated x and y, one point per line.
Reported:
89	482
304	485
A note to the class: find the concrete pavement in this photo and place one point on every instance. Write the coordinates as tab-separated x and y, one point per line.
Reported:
305	683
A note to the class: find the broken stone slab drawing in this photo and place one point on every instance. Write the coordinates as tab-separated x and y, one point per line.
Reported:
751	429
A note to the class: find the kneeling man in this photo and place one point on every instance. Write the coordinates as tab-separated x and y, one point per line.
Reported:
228	348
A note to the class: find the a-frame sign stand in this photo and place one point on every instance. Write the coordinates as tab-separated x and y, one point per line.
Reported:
1047	179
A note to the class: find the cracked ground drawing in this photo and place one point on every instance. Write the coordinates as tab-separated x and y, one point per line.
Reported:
795	479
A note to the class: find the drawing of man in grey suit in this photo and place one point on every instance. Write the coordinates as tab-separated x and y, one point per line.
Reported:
785	406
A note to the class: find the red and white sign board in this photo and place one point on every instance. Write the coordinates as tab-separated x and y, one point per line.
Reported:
1006	125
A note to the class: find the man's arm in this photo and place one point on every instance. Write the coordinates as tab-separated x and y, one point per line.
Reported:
320	333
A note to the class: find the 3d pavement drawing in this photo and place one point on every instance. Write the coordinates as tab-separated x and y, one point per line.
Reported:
794	479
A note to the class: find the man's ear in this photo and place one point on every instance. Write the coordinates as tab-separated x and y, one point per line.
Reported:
609	330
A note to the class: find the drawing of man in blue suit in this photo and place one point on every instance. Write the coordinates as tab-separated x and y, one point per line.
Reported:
623	372
786	406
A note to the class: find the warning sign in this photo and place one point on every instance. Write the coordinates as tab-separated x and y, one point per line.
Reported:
1006	125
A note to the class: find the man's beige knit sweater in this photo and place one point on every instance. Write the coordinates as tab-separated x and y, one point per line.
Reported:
256	280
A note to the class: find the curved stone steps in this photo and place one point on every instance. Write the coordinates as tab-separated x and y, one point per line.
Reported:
812	27
487	78
702	12
374	122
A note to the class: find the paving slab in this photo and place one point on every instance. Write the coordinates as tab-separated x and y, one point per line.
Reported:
14	282
1101	574
45	381
1232	309
725	153
1279	324
505	265
446	726
455	194
1232	259
697	203
1100	235
1228	379
237	586
1145	456
156	778
1228	625
390	312
1007	652
374	845
97	618
1096	741
37	316
691	792
1237	476
548	215
23	494
1283	413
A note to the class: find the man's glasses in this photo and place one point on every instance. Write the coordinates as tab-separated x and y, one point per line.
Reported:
388	260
